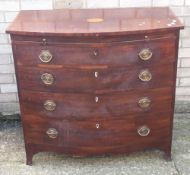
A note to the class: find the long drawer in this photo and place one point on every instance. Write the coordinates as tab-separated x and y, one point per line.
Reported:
137	130
95	80
114	54
89	106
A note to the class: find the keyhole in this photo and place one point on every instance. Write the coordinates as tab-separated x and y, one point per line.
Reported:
95	53
96	99
97	125
96	74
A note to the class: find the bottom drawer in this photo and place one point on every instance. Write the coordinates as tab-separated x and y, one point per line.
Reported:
97	133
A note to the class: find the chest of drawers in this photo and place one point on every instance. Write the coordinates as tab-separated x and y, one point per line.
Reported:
96	82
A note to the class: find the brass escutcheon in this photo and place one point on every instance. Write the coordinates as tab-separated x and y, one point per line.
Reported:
95	53
143	131
49	105
145	54
96	74
45	56
47	79
97	125
145	75
144	102
96	99
52	133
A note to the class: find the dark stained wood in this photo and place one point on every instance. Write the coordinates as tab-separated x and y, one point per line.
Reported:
85	134
92	40
84	80
70	54
84	106
86	127
74	22
82	138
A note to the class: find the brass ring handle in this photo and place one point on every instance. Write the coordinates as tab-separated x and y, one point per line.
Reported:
144	102
47	79
52	133
49	105
145	75
45	56
143	131
145	54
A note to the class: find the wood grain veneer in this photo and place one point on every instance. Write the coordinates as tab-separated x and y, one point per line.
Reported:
96	81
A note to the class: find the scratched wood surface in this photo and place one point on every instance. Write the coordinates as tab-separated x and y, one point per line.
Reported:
96	87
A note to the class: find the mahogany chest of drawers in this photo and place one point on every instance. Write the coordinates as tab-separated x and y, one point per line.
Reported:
96	81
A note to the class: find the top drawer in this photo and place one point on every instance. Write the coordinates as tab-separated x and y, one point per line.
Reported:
155	51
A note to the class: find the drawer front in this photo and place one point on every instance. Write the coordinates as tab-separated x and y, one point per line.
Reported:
97	133
95	80
119	54
89	106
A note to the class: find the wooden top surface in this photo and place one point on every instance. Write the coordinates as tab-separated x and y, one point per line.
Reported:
94	22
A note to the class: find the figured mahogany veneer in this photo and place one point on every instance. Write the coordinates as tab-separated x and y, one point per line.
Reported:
84	106
84	80
96	81
101	54
93	133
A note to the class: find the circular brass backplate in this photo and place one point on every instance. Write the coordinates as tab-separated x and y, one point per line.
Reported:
145	75
49	105
52	133
144	102
143	131
45	56
47	78
145	54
